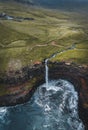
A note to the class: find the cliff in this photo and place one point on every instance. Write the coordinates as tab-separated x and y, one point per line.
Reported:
20	85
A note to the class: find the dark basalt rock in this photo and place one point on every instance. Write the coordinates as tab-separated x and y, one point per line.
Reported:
78	76
33	76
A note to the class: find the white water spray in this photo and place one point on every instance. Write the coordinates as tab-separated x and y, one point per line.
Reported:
67	95
58	104
52	56
46	72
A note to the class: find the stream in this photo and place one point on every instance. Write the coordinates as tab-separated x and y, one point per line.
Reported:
54	106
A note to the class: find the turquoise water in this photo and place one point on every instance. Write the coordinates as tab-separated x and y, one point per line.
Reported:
52	107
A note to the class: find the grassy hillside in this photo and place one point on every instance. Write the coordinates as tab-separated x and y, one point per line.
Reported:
23	43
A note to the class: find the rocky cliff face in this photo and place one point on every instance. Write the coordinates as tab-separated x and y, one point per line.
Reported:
78	76
20	85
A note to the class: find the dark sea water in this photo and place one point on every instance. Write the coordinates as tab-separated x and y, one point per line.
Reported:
52	107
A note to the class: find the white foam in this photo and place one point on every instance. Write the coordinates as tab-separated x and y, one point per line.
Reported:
47	107
3	111
68	102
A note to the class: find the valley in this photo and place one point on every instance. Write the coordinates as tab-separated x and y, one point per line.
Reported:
35	40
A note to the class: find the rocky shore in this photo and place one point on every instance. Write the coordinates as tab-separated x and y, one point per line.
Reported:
78	76
20	85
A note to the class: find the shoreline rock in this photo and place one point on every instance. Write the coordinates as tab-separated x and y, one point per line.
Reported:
23	84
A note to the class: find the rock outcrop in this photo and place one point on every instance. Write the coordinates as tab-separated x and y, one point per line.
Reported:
20	85
78	76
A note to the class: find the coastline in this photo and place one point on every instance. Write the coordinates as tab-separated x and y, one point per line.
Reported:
22	86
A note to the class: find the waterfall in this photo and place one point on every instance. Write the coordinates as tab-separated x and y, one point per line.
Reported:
46	72
54	106
52	56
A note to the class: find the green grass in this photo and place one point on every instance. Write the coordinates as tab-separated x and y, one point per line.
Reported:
82	45
78	56
24	43
31	41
